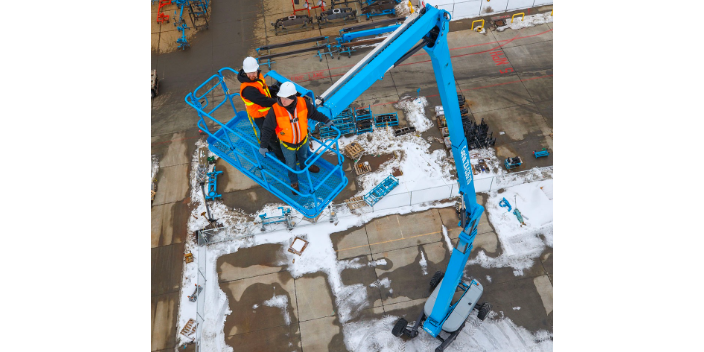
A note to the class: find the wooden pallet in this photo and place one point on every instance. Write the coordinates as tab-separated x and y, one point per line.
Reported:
362	168
189	328
353	150
356	202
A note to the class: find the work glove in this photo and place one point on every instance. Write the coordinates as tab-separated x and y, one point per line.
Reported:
274	88
328	124
263	151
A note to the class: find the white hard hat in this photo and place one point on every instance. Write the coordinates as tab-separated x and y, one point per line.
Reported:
286	90
250	65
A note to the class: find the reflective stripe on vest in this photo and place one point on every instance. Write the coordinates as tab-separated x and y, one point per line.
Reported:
292	129
253	109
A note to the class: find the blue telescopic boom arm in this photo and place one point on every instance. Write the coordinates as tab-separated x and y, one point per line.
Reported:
427	30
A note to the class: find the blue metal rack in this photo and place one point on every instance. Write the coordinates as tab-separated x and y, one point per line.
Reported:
363	118
343	122
383	120
381	190
234	141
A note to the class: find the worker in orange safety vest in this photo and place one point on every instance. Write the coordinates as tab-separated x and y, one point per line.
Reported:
257	97
288	120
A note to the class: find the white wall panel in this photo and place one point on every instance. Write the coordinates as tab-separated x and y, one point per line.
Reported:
467	9
519	4
448	7
460	9
542	2
493	7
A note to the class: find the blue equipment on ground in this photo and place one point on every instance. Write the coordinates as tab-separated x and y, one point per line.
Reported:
504	203
512	163
284	217
541	153
380	190
213	185
518	216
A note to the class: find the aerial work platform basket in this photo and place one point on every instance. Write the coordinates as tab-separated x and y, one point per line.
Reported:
235	142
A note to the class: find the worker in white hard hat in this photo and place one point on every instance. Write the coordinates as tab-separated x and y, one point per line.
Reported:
288	120
257	97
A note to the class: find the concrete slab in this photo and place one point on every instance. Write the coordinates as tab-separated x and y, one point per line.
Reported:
545	109
157	219
539	86
232	179
523	293
408	280
394	231
314	297
496	93
167	262
174	149
155	44
172	119
248	299
164	314
251	262
319	335
365	276
172	184
531	57
546	259
279	338
350	243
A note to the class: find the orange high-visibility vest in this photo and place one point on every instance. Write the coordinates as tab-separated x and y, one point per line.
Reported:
288	129
254	110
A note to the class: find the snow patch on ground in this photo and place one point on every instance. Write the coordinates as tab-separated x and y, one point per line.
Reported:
516	308
488	278
423	263
447	239
280	302
528	21
521	244
414	110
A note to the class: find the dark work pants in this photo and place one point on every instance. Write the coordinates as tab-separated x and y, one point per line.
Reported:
274	145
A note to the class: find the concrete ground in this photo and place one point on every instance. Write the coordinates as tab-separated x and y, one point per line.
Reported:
506	78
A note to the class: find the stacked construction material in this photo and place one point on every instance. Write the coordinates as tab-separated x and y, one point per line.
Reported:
343	122
384	120
363	118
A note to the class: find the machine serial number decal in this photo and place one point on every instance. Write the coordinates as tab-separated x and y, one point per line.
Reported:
466	164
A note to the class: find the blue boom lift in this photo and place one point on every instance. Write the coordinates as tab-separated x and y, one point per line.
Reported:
427	30
235	143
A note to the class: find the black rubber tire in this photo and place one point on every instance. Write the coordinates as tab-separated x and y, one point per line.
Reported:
399	327
435	280
484	309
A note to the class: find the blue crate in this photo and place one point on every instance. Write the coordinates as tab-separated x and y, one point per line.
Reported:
381	190
345	128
